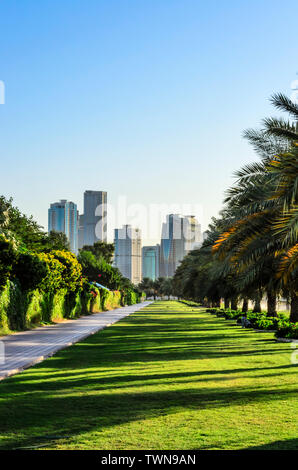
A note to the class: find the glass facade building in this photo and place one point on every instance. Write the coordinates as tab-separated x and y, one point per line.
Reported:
180	234
63	217
150	262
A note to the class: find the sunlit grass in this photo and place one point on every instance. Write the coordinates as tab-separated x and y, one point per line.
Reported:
167	377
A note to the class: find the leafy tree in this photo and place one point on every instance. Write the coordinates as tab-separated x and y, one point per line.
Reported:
8	256
98	270
30	270
147	286
19	228
56	241
72	273
101	250
167	287
55	270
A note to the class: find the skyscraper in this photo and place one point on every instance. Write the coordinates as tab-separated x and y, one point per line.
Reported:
128	252
172	249
150	262
205	235
95	217
180	234
63	217
192	233
81	231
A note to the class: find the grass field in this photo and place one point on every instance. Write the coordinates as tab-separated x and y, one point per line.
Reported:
167	377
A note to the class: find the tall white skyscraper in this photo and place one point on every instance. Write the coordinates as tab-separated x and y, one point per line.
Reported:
192	233
95	217
128	252
63	217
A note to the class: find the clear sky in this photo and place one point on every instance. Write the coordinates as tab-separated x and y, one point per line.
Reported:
143	98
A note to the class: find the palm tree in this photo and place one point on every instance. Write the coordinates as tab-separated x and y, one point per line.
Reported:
253	247
167	287
147	286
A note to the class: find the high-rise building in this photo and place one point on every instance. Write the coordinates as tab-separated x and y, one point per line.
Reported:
205	235
63	217
157	274
81	231
180	234
172	249
192	233
150	262
95	217
128	252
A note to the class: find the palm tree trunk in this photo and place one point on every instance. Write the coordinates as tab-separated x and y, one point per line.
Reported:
271	303
257	306
294	308
245	305
234	303
227	303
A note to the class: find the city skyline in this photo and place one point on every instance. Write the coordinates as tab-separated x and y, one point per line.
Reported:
105	110
99	203
179	234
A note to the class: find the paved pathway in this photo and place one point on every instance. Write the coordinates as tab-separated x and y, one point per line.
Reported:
24	349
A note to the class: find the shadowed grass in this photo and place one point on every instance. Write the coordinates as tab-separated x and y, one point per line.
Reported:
168	377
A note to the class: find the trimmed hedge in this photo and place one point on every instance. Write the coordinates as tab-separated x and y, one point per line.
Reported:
131	297
21	310
46	287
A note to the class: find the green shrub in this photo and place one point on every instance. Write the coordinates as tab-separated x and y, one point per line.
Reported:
287	329
264	324
73	304
55	269
35	307
130	297
30	270
98	270
90	298
8	257
13	306
232	314
110	299
255	317
4	306
72	273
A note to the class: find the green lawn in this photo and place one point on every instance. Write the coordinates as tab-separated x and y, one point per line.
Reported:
168	377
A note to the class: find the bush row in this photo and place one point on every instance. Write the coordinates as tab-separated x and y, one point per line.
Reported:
20	309
282	326
37	287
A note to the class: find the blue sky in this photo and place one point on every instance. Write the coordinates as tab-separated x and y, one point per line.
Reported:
143	98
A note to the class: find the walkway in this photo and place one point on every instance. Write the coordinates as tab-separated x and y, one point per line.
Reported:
24	349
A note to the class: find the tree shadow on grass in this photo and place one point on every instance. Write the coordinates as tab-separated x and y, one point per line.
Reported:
287	444
82	397
70	415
